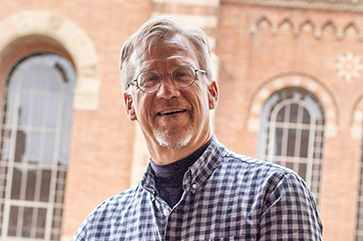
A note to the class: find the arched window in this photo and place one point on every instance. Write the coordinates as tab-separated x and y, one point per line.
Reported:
34	148
292	134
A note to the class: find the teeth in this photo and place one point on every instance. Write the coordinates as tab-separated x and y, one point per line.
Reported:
170	112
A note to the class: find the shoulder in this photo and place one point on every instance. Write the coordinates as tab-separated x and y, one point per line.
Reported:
254	166
248	170
259	173
106	214
116	203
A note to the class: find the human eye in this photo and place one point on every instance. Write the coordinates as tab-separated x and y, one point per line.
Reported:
149	79
183	75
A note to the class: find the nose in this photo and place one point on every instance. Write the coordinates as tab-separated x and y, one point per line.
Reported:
167	89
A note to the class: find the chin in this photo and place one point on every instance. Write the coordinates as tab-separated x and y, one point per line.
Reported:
172	141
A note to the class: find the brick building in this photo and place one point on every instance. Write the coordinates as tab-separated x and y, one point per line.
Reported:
291	83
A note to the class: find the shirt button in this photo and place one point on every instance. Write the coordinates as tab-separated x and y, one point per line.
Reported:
194	186
166	212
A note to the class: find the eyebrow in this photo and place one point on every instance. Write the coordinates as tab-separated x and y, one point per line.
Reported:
183	63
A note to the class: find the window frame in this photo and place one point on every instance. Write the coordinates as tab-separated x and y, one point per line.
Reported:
65	71
304	100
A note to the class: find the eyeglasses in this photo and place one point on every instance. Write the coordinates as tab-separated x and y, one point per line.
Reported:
182	76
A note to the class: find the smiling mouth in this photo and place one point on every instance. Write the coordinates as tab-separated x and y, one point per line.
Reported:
171	112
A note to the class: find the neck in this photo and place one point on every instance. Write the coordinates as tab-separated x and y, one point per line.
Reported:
165	155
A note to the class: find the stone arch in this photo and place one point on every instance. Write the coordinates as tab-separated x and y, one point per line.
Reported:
307	26
286	25
294	80
356	126
262	23
74	39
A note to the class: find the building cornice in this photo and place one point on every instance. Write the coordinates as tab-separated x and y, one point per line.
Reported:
327	5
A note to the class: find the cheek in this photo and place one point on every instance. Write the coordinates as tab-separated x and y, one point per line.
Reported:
201	102
143	106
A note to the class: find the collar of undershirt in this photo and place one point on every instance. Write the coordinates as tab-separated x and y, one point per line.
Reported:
175	171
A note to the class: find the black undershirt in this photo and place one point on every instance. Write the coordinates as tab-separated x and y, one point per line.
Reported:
169	177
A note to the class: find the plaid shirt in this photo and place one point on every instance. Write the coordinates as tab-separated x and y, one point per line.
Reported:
226	197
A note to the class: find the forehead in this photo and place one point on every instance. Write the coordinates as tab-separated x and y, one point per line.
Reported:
168	52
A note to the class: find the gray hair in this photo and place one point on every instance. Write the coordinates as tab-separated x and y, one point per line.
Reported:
153	30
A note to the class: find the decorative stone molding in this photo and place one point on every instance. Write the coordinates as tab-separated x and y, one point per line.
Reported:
349	66
74	40
285	24
294	80
328	27
332	5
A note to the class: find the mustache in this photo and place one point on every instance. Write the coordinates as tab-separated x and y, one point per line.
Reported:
169	103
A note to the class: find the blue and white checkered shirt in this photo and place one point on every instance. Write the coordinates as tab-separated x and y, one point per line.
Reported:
226	197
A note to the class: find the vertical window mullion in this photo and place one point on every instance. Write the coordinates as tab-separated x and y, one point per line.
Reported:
271	145
285	133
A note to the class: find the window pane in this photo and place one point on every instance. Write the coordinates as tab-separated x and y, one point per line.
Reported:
306	117
20	145
45	185
30	185
294	113
49	149
291	142
281	115
52	113
290	165
34	149
16	184
54	80
27	222
23	110
26	83
38	77
278	141
42	215
302	170
38	108
13	220
304	143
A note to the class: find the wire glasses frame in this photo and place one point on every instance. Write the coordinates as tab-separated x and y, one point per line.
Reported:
150	81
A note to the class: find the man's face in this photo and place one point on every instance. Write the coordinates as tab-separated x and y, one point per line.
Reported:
172	116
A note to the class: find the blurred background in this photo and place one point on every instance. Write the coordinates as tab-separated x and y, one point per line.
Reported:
290	74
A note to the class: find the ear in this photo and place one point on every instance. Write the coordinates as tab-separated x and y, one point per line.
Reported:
213	95
129	106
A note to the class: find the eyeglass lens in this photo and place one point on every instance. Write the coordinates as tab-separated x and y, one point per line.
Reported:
182	76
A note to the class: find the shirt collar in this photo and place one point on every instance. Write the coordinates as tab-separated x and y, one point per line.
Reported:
198	173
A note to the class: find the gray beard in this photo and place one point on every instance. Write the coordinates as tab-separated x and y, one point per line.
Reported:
173	140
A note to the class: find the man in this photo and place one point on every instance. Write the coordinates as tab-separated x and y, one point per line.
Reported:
194	188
